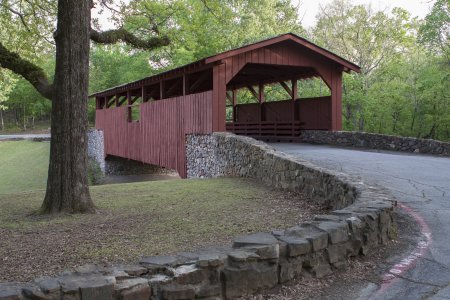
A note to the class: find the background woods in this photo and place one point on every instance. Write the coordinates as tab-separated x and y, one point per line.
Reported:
402	90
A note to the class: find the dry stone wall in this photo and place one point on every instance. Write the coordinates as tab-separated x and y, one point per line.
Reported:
226	154
253	262
376	141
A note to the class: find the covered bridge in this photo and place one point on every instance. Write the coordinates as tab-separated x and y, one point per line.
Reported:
147	120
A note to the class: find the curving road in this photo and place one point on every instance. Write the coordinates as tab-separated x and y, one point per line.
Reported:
422	184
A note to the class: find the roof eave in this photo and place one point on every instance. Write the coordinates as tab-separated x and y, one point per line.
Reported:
288	36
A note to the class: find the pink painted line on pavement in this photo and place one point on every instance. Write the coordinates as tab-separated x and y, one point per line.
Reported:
409	261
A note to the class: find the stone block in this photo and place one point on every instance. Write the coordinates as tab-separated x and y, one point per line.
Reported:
296	246
211	260
49	286
337	231
247	280
317	238
88	286
10	291
337	252
269	252
316	265
209	291
160	264
242	255
134	270
190	274
132	289
177	292
290	268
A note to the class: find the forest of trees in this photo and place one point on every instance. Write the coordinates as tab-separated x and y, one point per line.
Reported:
402	89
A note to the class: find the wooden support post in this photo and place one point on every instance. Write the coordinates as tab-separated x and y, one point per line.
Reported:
129	106
336	100
261	101
144	94
261	97
161	90
285	86
105	102
219	98
234	105
294	97
117	100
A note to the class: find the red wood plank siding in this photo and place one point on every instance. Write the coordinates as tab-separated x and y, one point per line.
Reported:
313	113
159	137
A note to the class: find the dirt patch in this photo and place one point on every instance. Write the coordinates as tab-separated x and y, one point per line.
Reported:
140	219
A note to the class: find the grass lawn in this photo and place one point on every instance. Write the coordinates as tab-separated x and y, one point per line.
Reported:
23	166
134	219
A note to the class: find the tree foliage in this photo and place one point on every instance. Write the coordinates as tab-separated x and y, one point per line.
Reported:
405	61
404	83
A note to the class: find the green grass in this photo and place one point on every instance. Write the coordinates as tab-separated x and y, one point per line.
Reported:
23	166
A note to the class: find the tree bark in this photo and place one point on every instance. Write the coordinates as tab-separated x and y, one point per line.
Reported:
1	119
67	183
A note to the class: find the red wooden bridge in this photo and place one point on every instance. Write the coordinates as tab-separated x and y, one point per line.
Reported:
147	120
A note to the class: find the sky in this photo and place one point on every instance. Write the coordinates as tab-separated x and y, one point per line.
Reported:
309	8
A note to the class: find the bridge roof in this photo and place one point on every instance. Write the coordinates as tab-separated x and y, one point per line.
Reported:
208	62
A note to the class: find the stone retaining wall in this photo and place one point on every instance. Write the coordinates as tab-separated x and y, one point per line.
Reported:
375	141
96	149
226	154
253	262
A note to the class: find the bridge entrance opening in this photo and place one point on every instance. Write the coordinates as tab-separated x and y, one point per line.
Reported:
264	101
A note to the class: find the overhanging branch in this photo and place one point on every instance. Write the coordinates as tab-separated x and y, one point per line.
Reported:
116	35
34	74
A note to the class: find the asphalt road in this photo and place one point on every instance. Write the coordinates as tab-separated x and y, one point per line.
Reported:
420	182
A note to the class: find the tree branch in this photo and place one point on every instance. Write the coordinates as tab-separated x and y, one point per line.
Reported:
20	15
34	74
113	36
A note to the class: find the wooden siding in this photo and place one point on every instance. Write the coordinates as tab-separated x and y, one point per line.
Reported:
312	113
159	136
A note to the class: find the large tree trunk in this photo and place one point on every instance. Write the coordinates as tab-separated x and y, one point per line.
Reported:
67	184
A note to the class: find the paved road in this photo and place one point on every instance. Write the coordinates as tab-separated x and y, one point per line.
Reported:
22	136
419	181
